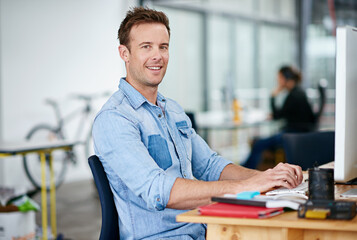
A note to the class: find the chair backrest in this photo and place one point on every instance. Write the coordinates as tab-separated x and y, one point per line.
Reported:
110	227
191	115
309	149
322	85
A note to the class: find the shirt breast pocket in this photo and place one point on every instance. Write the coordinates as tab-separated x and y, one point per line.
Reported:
159	151
186	134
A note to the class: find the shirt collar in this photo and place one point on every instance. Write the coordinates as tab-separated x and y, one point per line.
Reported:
135	98
160	98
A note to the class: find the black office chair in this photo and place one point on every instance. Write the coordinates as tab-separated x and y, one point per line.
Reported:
191	116
309	149
110	228
321	87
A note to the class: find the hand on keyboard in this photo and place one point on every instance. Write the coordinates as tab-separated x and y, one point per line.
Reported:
282	175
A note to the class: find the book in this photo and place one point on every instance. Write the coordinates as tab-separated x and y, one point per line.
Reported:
241	211
262	201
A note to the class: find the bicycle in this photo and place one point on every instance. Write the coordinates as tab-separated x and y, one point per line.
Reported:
47	132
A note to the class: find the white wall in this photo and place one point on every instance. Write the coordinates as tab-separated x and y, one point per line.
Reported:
51	49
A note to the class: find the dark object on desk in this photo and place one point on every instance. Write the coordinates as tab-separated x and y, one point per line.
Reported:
242	211
325	209
321	184
110	227
239	201
309	149
8	208
351	182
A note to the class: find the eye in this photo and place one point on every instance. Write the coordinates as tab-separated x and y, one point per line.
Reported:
164	47
146	46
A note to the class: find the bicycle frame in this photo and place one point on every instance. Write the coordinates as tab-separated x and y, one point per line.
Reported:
84	111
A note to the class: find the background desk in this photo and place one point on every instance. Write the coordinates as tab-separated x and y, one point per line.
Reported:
286	226
230	139
223	121
9	149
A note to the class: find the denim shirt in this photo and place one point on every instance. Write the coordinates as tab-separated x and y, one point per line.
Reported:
144	148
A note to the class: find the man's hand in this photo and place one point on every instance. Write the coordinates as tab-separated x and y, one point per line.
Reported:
188	194
282	175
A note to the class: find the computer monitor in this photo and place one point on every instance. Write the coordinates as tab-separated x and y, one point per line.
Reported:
346	105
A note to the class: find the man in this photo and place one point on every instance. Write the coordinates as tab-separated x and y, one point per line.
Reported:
156	164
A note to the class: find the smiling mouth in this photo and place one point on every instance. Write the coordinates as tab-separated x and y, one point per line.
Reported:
154	68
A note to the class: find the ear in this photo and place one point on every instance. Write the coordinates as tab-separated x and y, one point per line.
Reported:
124	53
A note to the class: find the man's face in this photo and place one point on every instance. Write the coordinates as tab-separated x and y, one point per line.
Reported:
147	60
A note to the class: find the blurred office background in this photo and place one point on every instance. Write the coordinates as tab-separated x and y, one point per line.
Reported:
218	50
225	49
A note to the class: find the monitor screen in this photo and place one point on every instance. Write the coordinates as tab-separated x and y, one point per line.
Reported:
346	104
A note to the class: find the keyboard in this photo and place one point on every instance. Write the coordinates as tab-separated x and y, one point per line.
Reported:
301	189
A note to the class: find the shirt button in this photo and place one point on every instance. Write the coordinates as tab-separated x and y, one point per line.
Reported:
158	199
164	100
159	115
184	175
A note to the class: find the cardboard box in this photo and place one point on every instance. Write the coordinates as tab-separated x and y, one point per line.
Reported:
17	226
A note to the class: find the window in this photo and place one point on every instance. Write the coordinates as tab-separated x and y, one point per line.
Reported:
183	79
218	49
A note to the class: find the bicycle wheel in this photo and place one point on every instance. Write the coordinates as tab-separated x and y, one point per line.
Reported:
32	161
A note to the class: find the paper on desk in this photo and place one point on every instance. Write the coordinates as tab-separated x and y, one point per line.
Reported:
298	198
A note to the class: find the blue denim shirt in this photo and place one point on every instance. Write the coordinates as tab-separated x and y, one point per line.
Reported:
144	148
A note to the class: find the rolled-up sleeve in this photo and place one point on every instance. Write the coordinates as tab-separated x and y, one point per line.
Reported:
207	165
118	144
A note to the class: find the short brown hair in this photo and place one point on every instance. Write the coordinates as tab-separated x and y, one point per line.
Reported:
137	16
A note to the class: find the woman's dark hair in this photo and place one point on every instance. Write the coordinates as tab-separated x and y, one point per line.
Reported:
291	74
136	16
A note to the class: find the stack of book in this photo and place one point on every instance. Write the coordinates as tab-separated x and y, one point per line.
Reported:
259	206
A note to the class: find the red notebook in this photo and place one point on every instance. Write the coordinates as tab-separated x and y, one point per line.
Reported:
235	210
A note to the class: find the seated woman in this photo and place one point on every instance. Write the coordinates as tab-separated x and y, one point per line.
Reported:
296	111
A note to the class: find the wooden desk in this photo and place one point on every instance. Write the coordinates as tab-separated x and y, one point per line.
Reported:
9	149
286	226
